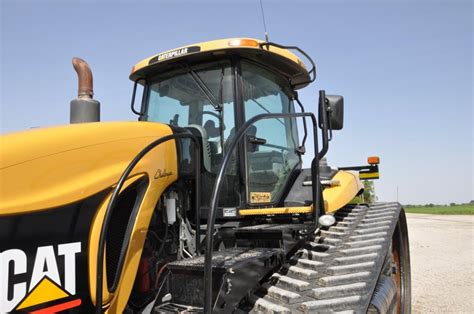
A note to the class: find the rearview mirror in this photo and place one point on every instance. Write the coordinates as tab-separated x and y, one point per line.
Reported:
335	112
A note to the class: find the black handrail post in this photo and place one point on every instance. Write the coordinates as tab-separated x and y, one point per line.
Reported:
197	192
113	201
218	184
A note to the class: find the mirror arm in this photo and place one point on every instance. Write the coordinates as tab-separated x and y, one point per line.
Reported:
323	107
329	121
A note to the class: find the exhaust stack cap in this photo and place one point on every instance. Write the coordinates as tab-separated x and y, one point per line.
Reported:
84	108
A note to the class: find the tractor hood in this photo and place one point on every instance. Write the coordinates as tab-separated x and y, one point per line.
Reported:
44	168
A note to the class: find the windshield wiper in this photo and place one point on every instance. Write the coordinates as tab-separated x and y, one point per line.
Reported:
218	105
204	88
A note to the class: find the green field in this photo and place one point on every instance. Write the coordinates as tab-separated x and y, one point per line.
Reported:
442	210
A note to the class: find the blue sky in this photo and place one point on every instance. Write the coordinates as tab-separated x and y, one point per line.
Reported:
404	67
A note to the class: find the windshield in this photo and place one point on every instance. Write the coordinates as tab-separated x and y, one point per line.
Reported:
179	100
201	97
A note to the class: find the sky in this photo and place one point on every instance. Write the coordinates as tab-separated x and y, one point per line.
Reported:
405	69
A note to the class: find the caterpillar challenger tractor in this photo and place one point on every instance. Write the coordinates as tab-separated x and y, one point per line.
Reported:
203	204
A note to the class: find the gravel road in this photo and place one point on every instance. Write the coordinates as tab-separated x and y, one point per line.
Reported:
442	259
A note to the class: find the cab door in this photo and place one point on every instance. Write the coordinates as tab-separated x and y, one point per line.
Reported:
271	144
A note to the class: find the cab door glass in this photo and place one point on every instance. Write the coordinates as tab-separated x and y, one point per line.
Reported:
271	143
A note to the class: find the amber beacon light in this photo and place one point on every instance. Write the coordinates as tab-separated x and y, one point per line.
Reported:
373	160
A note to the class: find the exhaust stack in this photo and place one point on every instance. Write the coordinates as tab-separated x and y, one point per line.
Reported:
84	108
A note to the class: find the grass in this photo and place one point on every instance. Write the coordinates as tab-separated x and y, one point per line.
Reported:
442	210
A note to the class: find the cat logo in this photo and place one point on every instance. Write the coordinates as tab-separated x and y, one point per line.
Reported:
44	285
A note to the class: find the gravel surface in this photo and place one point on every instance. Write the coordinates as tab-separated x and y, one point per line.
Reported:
442	260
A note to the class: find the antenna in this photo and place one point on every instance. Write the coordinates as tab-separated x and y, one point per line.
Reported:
264	24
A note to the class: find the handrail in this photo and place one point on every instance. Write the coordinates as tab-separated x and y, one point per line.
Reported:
113	201
132	104
311	72
316	193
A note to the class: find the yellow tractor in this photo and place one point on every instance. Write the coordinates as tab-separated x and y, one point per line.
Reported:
202	205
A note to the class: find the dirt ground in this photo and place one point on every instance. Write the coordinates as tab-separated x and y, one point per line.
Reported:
442	259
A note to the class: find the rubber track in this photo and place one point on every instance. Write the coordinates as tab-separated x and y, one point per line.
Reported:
338	270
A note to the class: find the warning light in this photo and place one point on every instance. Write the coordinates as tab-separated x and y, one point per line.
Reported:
243	42
373	160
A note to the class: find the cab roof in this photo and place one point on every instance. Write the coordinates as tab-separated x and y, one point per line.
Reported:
278	59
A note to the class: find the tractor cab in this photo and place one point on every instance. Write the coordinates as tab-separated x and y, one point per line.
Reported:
212	89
